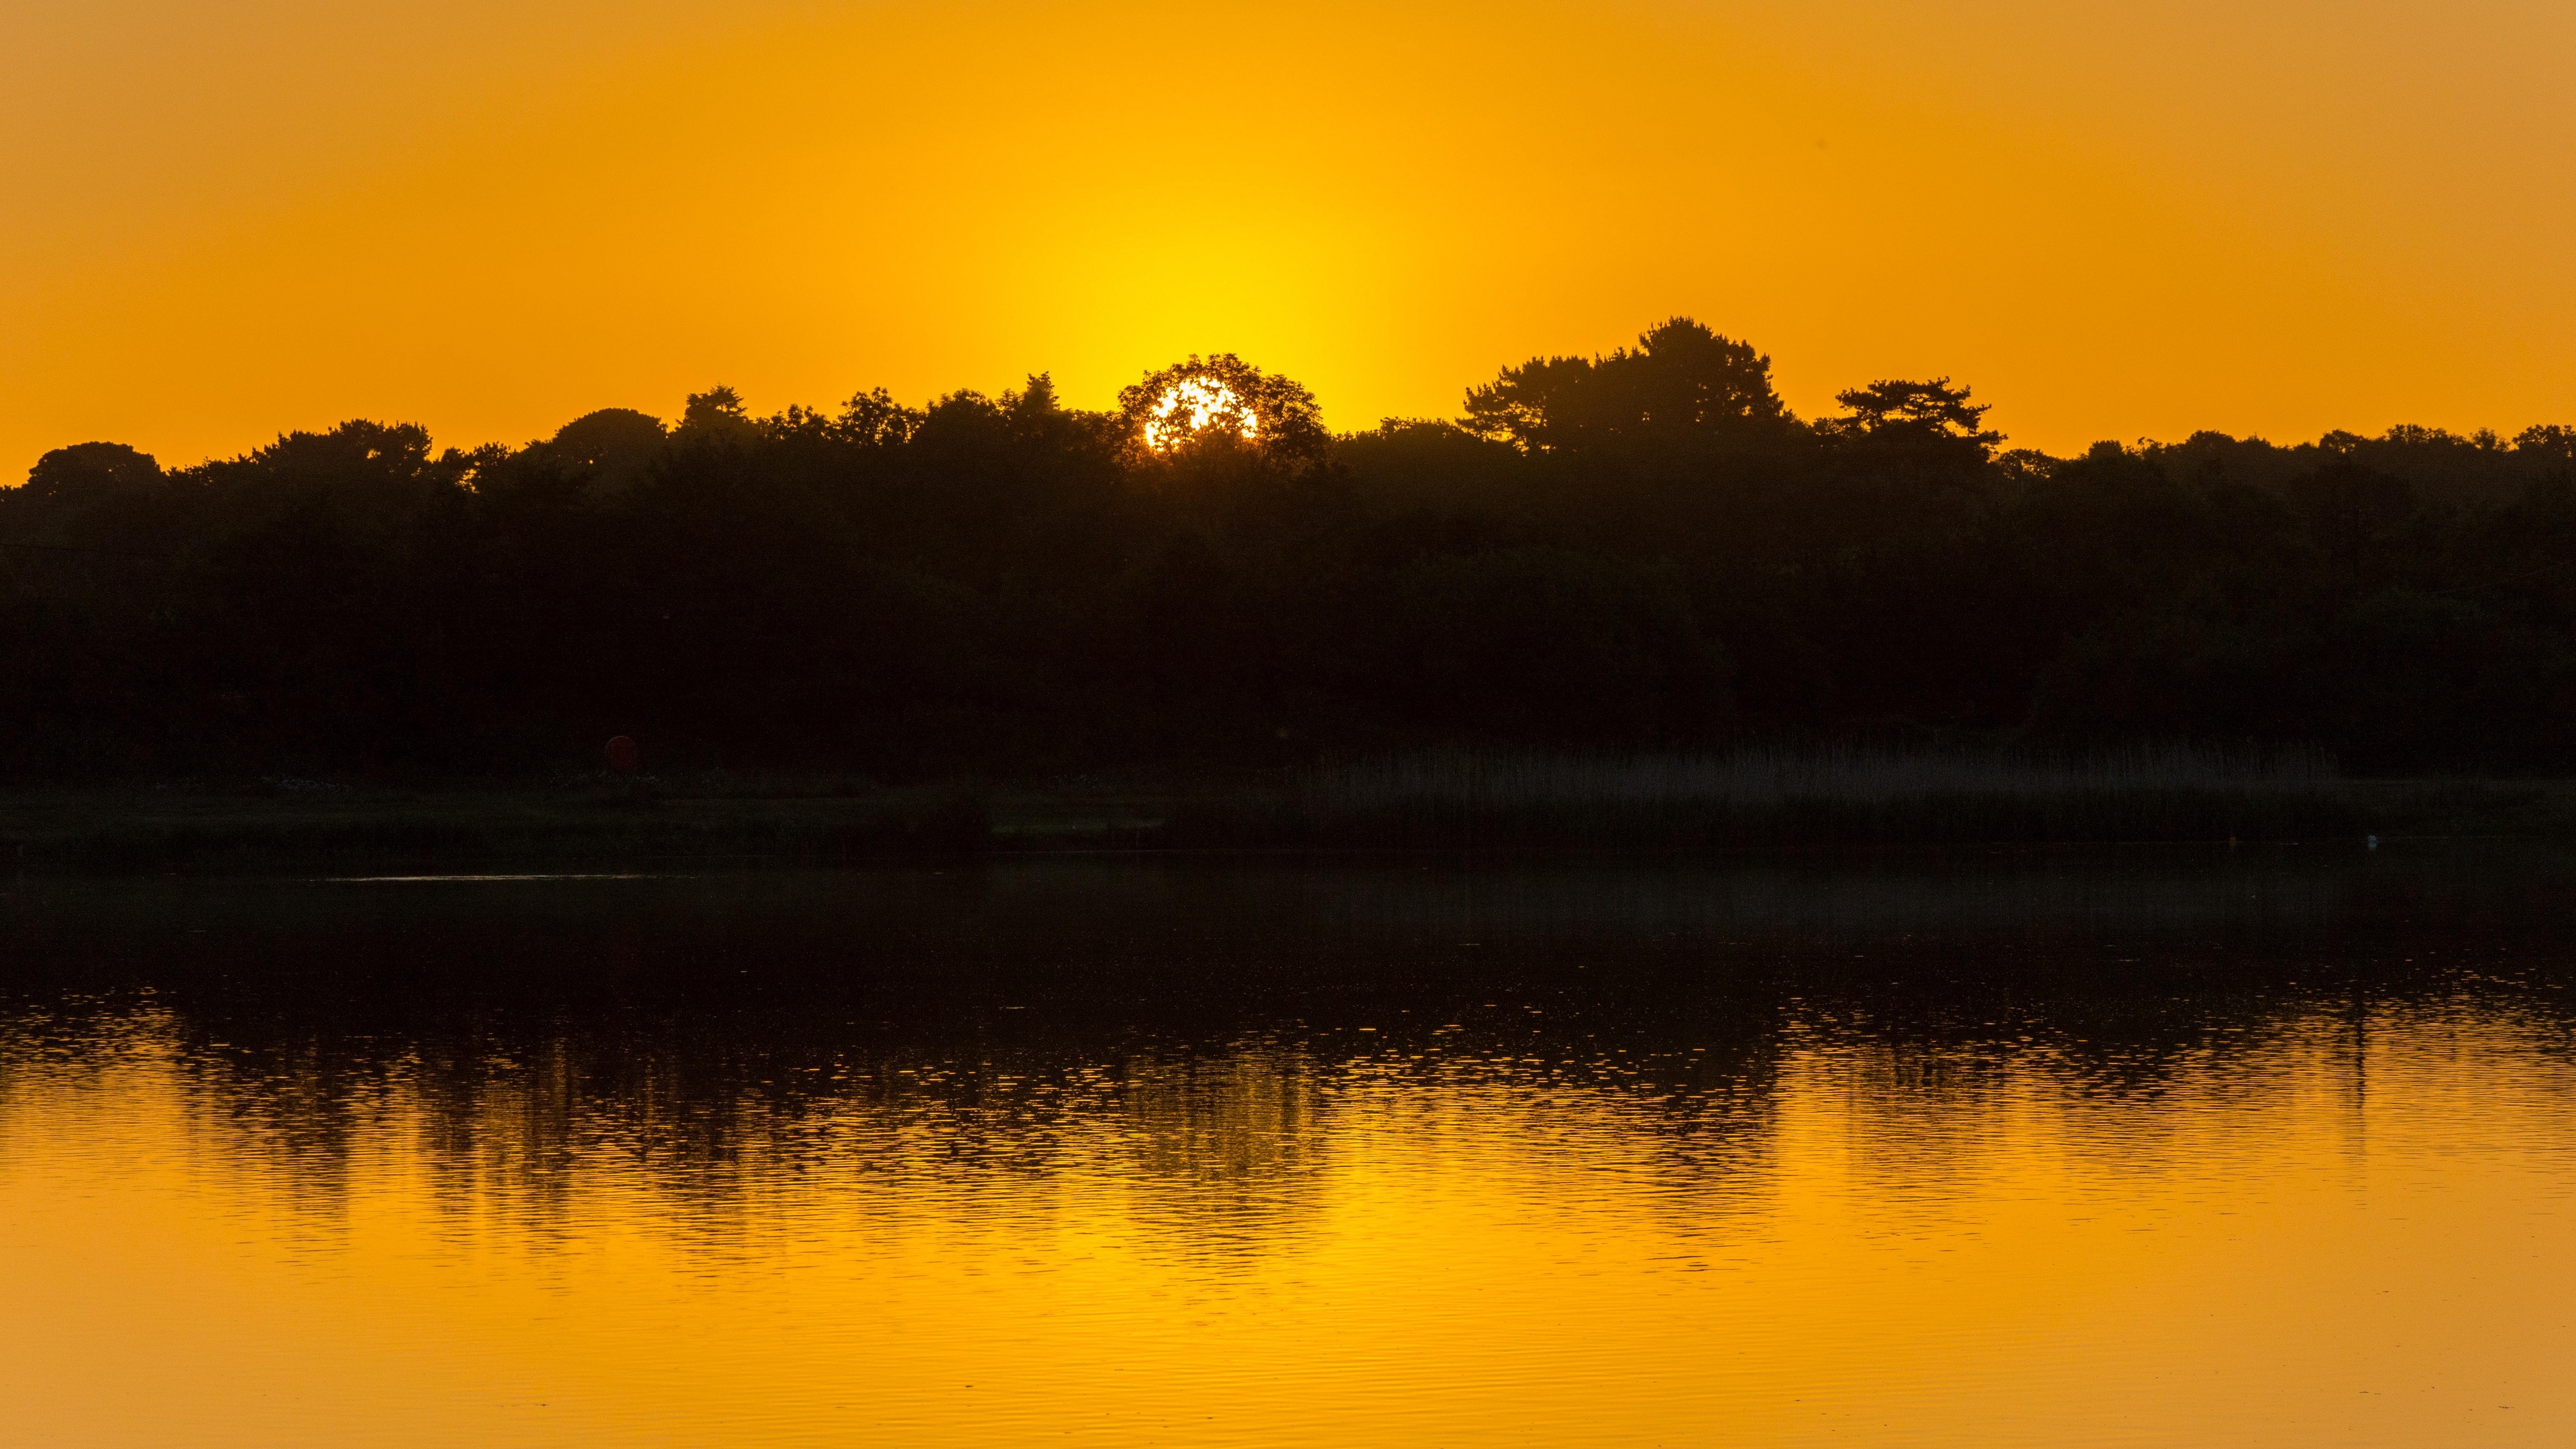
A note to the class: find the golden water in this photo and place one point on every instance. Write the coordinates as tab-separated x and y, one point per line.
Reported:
1468	1195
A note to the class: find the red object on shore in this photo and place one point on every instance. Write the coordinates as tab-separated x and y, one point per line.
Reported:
623	757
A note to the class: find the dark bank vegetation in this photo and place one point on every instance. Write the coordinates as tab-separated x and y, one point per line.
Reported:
1641	555
1796	797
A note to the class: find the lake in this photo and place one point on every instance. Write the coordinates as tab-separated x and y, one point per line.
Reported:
2264	1147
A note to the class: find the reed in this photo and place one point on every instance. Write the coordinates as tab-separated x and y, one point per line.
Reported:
1780	795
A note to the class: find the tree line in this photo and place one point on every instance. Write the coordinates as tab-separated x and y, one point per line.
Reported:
1647	549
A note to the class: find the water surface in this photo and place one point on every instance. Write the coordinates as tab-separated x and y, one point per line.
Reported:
2258	1148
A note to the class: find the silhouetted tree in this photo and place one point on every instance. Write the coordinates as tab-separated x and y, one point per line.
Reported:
1915	433
611	449
1683	391
88	473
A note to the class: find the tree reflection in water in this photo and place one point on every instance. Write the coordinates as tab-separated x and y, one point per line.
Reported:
1195	1035
1314	1153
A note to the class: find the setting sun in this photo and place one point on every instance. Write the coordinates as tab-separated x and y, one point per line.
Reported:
1194	407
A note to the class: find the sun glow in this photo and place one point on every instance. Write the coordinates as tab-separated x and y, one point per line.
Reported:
1193	407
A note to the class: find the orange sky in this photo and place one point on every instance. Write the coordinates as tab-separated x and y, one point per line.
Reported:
2122	220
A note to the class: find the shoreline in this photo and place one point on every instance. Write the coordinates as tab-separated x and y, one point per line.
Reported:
131	829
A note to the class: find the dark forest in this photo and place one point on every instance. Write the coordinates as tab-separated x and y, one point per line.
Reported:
1644	550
